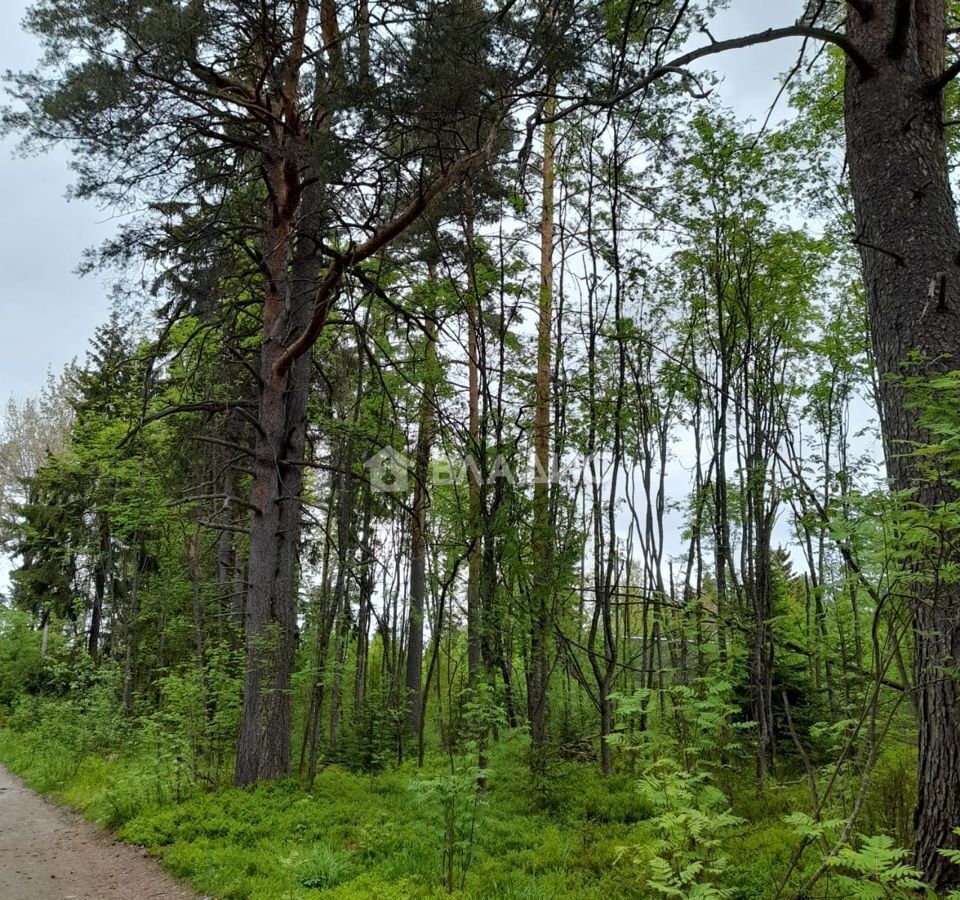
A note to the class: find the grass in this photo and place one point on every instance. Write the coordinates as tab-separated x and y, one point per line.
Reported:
362	836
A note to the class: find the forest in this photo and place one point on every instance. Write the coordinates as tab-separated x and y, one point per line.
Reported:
506	471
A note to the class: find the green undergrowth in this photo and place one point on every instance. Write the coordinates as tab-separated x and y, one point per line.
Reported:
382	835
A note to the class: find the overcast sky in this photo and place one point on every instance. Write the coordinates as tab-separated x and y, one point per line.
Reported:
49	313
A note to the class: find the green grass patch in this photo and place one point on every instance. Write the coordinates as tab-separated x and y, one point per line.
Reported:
360	836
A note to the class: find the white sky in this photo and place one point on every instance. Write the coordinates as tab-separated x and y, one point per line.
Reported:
48	313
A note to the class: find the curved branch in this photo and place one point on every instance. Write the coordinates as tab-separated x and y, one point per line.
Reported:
750	40
209	406
326	293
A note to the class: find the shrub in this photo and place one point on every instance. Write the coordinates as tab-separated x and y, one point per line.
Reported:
683	856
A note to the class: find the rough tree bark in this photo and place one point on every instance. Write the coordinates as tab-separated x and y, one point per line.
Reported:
910	246
263	748
294	316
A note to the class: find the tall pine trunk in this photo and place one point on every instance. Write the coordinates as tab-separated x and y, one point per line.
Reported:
910	246
263	748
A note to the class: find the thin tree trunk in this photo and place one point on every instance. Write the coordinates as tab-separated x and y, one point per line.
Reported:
99	588
542	538
474	450
364	610
323	624
45	633
418	538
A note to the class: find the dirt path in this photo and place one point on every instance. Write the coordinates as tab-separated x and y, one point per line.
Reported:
50	853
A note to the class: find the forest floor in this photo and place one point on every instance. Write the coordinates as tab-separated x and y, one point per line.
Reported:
50	853
384	835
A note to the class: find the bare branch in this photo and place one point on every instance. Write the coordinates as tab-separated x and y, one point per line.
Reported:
226	498
751	40
326	293
211	406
